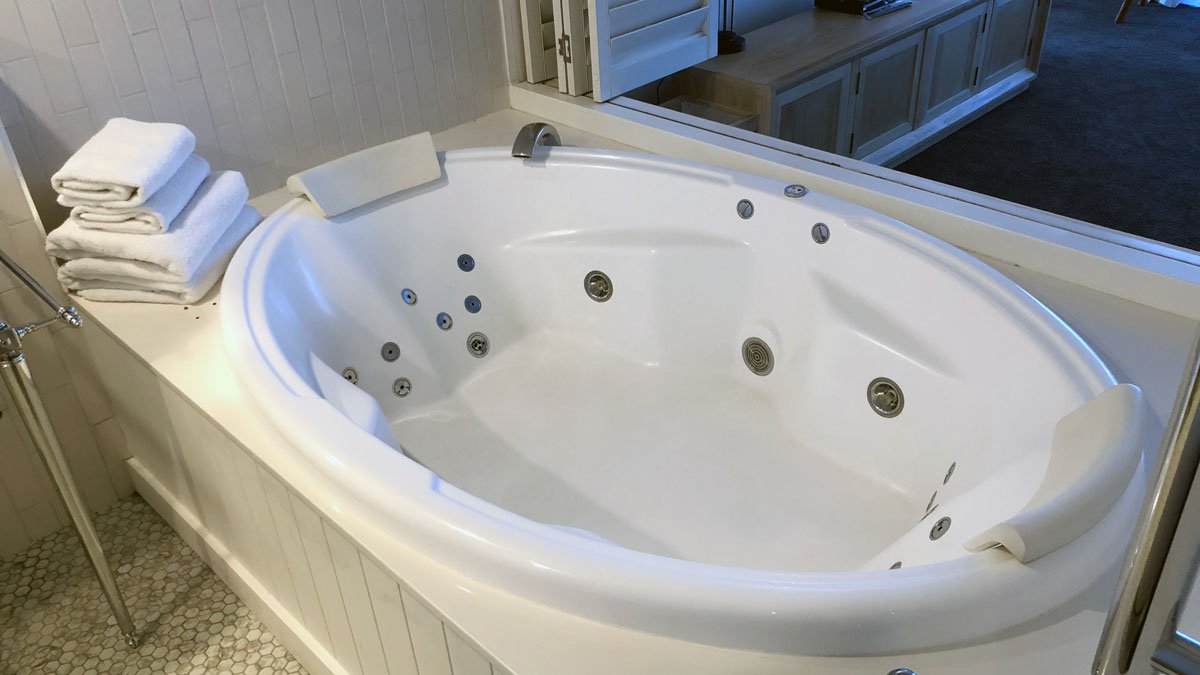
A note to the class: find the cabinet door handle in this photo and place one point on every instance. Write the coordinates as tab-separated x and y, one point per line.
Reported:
983	24
858	83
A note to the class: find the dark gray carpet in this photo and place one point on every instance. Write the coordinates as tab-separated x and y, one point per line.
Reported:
1109	132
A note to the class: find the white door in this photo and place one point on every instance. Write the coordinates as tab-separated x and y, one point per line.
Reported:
574	58
638	41
537	29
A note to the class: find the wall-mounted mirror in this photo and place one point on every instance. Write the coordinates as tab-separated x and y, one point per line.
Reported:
1001	97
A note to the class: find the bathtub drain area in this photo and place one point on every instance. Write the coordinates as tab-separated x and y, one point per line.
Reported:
691	466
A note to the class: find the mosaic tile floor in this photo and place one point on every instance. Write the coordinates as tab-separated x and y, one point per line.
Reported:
53	617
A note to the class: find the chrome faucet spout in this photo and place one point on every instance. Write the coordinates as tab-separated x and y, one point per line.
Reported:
532	135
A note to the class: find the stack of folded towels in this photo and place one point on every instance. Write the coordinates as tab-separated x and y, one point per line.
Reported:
149	222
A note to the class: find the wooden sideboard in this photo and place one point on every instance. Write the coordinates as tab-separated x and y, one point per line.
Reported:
877	89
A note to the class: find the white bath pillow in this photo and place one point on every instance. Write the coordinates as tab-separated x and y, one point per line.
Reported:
1094	454
362	177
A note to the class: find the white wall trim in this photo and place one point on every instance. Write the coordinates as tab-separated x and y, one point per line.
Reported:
1129	267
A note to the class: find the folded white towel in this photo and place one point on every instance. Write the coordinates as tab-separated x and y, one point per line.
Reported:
118	280
154	216
123	164
178	251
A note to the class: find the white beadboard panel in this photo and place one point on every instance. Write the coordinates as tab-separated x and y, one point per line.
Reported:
140	409
428	637
278	577
200	472
389	617
274	547
233	70
297	561
463	657
353	585
316	548
209	456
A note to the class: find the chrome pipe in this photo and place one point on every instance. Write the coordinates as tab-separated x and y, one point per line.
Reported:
63	312
1148	551
17	378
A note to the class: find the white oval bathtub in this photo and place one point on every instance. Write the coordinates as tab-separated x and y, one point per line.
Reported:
619	460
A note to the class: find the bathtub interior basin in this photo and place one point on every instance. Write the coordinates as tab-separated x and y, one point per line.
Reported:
665	368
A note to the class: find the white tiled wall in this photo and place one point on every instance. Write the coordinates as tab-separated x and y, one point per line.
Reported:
268	86
75	399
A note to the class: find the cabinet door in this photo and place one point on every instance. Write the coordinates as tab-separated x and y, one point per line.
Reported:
950	68
1007	48
886	94
816	113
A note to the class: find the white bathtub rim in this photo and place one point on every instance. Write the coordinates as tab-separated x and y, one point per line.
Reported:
810	613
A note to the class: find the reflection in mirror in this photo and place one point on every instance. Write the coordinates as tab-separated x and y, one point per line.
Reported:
1188	623
1001	97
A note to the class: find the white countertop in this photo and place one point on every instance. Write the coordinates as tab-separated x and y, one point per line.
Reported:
184	346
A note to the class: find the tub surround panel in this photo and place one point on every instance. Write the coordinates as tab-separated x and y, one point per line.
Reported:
358	618
527	638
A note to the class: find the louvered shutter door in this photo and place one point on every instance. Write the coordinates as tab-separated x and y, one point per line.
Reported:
639	41
574	57
537	27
